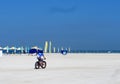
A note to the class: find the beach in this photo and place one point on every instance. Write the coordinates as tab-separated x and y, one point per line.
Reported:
81	68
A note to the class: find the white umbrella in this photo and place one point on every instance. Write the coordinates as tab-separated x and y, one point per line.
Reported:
35	47
6	48
13	48
1	48
18	48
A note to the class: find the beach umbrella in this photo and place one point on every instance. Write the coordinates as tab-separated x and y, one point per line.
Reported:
1	48
13	48
1	51
18	48
64	52
35	47
6	48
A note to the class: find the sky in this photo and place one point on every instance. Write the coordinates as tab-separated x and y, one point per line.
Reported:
78	24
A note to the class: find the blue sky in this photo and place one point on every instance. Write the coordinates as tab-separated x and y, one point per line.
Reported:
79	24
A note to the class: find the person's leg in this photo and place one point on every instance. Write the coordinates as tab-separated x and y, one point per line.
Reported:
39	59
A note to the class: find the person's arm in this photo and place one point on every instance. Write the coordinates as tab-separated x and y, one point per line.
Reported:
44	56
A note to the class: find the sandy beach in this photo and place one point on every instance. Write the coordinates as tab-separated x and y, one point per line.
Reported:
61	69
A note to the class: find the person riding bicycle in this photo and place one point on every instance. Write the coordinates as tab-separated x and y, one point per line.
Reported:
40	56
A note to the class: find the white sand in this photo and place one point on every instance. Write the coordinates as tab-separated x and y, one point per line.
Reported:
68	69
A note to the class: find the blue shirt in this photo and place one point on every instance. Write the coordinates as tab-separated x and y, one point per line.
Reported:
39	55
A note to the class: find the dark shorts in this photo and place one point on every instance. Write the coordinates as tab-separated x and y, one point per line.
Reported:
40	59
